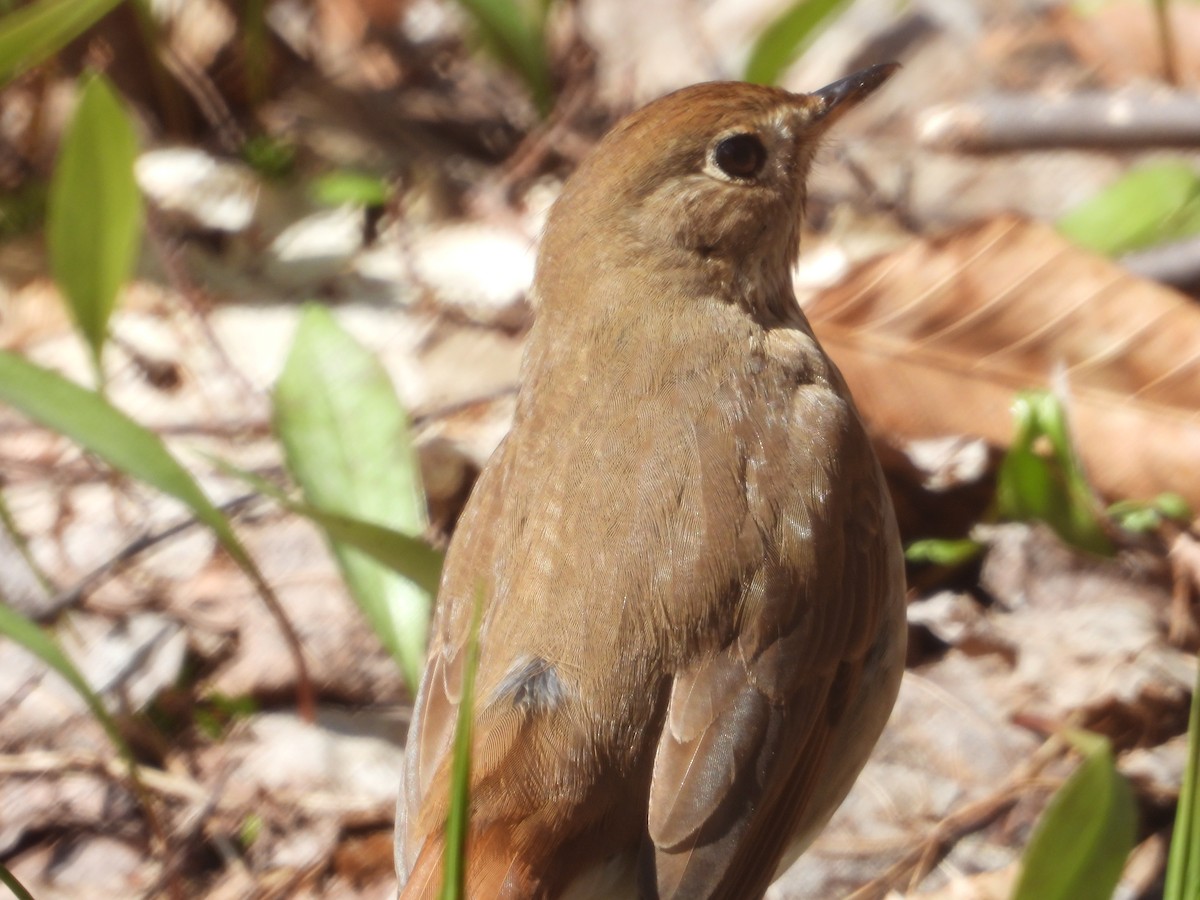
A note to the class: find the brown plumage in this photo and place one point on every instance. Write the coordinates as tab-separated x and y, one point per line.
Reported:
693	629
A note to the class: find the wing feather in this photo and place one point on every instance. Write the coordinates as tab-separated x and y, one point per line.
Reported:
754	731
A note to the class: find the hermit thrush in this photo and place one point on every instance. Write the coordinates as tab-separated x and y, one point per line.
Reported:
693	593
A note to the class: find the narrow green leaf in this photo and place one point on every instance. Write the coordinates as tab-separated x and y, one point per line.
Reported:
1173	506
41	644
1148	205
9	524
409	556
346	441
95	424
251	830
458	817
36	32
94	222
1078	849
346	186
943	551
33	638
1048	488
1143	516
1183	865
9	880
516	34
786	37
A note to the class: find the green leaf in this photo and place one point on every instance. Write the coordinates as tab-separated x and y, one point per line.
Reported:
1142	516
41	644
1079	847
516	33
34	638
36	32
1172	506
251	830
345	186
19	541
943	551
409	556
1147	206
783	39
1183	864
346	440
95	213
95	424
9	880
1048	488
273	157
458	816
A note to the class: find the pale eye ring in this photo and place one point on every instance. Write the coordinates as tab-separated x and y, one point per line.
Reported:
740	155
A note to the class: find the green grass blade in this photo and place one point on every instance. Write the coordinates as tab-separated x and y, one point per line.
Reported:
9	524
34	638
1183	865
518	38
9	880
409	556
91	421
95	424
346	441
94	219
36	32
1078	849
784	38
41	644
458	818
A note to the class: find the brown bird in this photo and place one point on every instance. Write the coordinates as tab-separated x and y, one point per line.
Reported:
693	592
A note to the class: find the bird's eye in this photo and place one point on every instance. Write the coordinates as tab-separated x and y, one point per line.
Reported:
740	155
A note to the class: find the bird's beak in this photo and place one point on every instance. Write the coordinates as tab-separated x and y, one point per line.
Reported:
843	95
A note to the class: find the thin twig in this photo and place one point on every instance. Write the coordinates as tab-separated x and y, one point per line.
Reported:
117	563
1010	122
1166	42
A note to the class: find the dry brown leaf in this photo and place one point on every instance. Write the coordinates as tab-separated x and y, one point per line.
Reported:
936	339
1120	42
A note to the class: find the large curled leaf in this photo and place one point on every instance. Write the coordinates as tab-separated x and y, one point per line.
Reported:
784	38
95	214
1078	848
346	439
36	32
938	337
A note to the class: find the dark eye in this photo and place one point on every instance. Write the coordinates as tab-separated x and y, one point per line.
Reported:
740	155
